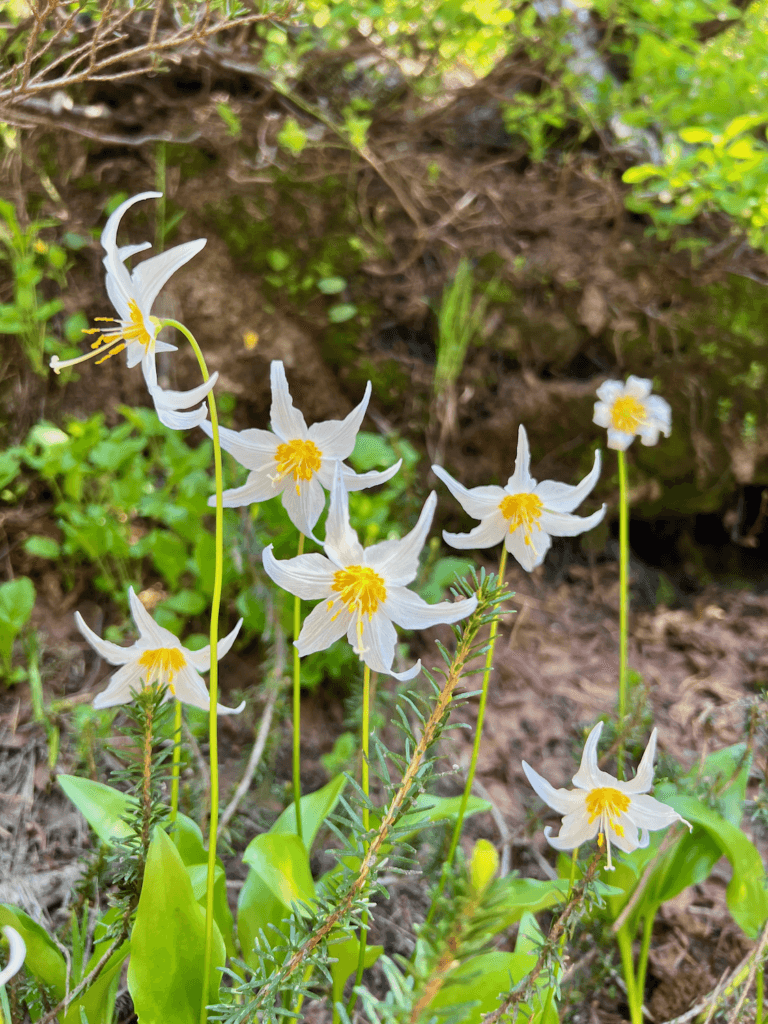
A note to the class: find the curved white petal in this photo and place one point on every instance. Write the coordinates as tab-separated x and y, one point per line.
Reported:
602	414
150	276
304	502
648	433
627	839
561	524
154	635
17	950
659	409
638	387
201	660
118	284
643	779
287	422
109	652
410	611
559	497
650	813
398	561
530	554
360	481
183	399
255	449
564	801
376	645
122	687
589	776
125	252
572	833
341	542
619	440
307	576
609	391
324	625
258	487
408	673
478	502
109	234
521	481
336	438
486	534
178	420
190	688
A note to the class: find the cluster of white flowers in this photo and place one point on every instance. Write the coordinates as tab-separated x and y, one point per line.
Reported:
363	592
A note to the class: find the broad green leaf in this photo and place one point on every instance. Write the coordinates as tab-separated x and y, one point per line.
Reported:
17	599
103	807
165	972
636	175
42	547
258	910
342	312
283	864
511	897
726	773
432	809
96	999
43	959
188	840
345	950
315	808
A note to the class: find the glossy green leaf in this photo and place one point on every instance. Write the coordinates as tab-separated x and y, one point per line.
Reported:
258	910
283	864
102	806
315	808
43	959
165	972
188	840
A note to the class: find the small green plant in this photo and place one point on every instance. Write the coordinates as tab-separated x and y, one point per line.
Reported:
17	599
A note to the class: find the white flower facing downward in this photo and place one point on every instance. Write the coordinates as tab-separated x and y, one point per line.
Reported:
615	812
156	658
17	950
363	591
524	514
295	460
630	410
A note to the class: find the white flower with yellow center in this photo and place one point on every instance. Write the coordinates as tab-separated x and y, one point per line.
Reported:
616	812
17	950
524	514
293	459
630	410
156	659
363	591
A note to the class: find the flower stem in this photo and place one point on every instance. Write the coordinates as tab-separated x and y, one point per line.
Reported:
213	685
623	603
365	779
645	948
759	993
176	761
297	706
476	747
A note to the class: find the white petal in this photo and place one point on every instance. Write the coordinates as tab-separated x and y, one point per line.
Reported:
118	284
150	276
410	611
602	414
589	776
360	481
306	576
619	440
648	812
304	502
564	801
126	251
324	625
660	410
398	561
190	689
574	831
408	673
123	686
154	635
109	234
638	387
643	779
179	420
376	646
336	438
109	652
258	487
487	533
531	554
341	541
17	950
609	391
559	497
287	422
478	502
629	841
201	659
521	481
254	449
649	433
184	399
561	524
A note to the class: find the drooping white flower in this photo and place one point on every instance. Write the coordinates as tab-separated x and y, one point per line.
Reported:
630	409
169	403
524	514
362	591
156	658
618	812
295	460
17	950
132	294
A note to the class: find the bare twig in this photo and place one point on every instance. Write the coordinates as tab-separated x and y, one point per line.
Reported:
87	980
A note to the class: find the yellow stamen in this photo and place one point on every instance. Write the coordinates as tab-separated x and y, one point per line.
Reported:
162	665
300	458
609	802
522	510
627	414
360	588
125	332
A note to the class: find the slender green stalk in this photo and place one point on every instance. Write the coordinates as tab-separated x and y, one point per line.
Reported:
213	686
176	761
623	603
297	706
645	948
475	749
625	948
759	993
365	779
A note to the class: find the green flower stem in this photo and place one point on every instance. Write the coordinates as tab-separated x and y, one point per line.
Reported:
176	761
625	948
365	778
759	993
476	747
213	686
623	603
645	948
297	706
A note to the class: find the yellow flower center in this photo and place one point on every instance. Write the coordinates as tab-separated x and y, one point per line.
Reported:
299	458
522	510
627	414
162	665
360	588
124	333
608	802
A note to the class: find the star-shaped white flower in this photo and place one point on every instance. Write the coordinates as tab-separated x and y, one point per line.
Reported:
524	514
363	591
132	294
601	806
295	460
17	950
156	658
630	409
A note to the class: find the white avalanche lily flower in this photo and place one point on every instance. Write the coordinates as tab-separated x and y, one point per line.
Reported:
362	590
132	295
157	657
604	807
168	404
17	950
630	409
524	514
296	461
